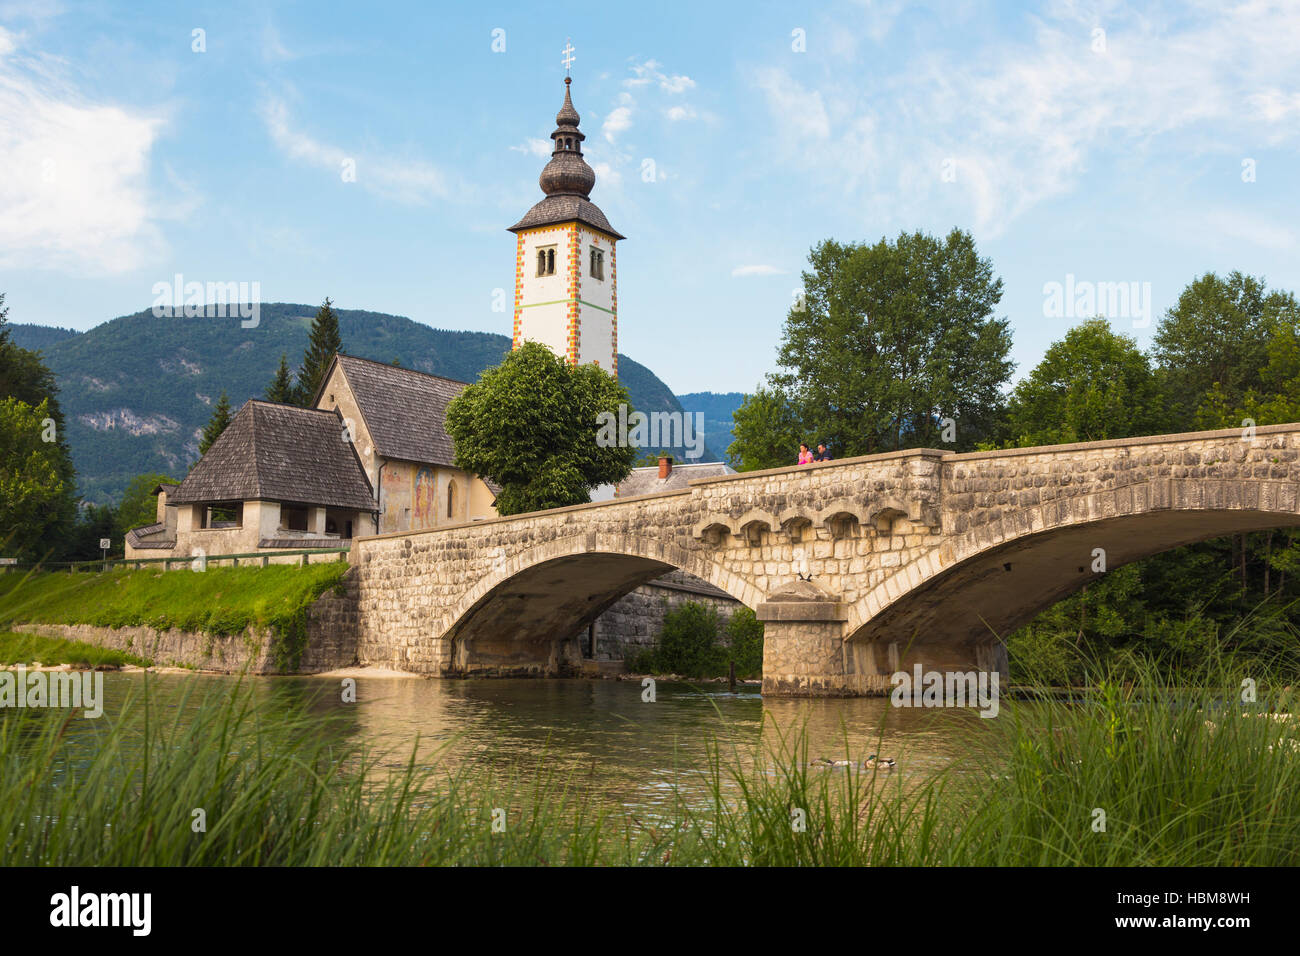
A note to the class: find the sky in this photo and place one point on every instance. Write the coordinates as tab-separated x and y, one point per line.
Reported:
377	152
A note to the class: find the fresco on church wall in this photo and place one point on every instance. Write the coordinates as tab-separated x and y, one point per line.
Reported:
424	511
396	490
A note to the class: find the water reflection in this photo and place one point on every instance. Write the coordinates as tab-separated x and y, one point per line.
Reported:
632	753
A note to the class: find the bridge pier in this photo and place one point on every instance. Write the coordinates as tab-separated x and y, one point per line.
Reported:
804	653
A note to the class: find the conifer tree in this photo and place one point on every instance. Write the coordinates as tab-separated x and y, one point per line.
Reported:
281	387
324	344
216	424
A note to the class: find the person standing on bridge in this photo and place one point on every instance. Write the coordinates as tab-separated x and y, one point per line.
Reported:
823	453
805	456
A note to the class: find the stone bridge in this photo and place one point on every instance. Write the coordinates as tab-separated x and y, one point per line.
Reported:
920	556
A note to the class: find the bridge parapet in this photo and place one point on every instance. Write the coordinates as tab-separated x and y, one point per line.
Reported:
922	552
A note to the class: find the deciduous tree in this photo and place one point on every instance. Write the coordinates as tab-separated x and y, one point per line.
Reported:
890	339
1092	385
530	425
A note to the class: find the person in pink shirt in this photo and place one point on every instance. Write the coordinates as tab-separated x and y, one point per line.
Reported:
805	456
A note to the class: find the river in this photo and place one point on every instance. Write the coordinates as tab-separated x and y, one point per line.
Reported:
631	752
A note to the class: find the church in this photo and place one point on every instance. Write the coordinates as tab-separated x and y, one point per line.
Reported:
372	454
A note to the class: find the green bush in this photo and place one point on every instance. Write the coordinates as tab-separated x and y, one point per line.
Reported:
745	640
689	644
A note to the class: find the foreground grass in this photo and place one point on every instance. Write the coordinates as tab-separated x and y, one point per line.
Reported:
1182	779
52	651
218	601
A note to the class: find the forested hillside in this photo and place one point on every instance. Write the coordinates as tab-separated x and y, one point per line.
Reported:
716	407
137	390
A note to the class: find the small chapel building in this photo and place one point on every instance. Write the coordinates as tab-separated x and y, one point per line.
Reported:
371	456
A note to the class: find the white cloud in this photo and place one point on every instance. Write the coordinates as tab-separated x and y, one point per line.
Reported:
1245	228
643	74
1274	105
757	270
798	110
412	182
618	121
74	187
647	72
676	113
273	48
1027	120
609	178
535	147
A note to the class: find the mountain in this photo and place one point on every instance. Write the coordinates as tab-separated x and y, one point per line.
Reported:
716	407
37	337
136	391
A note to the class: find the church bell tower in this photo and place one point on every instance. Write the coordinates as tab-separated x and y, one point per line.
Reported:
565	276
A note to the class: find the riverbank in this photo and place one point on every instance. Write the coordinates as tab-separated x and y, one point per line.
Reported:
37	652
1126	777
225	620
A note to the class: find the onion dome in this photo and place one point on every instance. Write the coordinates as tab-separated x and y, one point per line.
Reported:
567	180
567	174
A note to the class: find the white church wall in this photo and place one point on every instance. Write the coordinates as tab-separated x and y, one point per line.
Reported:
541	302
598	302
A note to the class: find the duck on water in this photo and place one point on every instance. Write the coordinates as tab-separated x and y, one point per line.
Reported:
871	763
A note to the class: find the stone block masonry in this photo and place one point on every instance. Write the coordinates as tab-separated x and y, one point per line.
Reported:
333	626
634	621
920	556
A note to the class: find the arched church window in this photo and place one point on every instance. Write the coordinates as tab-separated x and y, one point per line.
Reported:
451	500
546	261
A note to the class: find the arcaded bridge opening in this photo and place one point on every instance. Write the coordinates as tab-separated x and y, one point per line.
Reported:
989	594
530	624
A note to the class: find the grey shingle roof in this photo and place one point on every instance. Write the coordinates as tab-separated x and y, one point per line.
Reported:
644	481
145	537
405	411
565	208
280	453
298	544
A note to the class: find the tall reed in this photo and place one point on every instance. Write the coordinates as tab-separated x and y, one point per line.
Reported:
1181	775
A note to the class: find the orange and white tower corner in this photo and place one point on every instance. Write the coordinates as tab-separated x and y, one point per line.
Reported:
565	278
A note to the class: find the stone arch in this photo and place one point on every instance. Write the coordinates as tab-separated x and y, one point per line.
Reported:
753	523
997	575
549	592
840	508
794	524
884	511
841	517
713	530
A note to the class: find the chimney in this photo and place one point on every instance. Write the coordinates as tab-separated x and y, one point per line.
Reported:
665	466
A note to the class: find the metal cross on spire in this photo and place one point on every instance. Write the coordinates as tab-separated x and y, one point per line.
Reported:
568	56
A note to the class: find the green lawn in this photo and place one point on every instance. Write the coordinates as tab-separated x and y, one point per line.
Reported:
51	651
218	601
